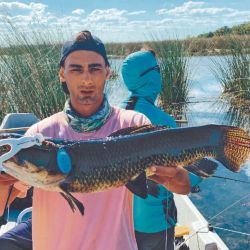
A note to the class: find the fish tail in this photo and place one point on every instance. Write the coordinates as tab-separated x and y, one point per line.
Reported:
236	148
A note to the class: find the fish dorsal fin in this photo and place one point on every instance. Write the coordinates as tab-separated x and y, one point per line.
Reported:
203	168
137	130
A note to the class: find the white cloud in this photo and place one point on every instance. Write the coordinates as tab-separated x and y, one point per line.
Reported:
4	6
38	7
197	8
21	19
190	14
108	15
211	11
237	13
135	13
72	19
190	18
8	6
78	11
183	9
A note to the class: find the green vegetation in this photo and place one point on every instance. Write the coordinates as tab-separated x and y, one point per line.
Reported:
29	68
202	46
220	45
121	50
233	72
28	79
173	61
242	29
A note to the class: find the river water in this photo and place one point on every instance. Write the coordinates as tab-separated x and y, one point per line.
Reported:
216	194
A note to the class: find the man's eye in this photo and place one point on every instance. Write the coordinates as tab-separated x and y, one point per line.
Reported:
76	70
94	69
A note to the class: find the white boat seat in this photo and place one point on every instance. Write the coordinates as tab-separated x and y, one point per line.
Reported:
16	120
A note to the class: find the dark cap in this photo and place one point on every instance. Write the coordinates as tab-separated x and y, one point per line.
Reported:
86	42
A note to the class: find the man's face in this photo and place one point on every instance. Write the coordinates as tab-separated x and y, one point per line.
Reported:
85	73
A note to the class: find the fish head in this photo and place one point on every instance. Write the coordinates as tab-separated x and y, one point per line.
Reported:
35	166
33	175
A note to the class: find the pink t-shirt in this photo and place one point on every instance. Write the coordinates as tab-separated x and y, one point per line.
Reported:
107	223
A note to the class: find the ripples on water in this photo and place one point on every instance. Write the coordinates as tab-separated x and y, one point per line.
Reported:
216	194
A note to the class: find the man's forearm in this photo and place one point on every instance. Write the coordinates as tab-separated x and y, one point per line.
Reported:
4	191
18	190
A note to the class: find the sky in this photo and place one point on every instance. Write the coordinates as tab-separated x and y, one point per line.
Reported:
125	20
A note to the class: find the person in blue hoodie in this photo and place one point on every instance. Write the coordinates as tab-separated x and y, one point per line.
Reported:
155	216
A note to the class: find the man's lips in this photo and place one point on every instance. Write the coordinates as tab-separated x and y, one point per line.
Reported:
87	92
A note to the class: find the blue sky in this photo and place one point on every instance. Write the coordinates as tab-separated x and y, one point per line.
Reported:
126	20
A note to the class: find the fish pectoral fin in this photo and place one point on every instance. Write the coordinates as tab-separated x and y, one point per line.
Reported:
73	202
138	186
137	130
153	188
203	168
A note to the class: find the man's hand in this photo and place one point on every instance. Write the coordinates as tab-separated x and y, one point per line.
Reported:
6	181
174	178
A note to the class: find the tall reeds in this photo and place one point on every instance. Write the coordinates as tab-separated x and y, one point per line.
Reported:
29	78
174	65
197	46
233	73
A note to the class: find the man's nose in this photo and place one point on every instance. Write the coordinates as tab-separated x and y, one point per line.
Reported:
86	77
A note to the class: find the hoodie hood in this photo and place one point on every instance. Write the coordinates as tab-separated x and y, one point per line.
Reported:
148	85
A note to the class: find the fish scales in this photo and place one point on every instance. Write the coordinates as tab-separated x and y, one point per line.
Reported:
121	159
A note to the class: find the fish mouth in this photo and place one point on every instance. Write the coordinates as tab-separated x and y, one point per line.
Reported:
34	176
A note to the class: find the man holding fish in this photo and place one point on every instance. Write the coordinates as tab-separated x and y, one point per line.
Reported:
107	222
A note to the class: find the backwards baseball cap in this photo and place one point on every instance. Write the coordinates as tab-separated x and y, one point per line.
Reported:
84	41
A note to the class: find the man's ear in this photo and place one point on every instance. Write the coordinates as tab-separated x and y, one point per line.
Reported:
107	72
61	74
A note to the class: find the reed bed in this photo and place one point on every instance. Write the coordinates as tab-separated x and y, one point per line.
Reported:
175	72
218	45
29	66
233	73
121	50
196	46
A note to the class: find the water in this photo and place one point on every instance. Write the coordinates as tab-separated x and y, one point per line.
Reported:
216	194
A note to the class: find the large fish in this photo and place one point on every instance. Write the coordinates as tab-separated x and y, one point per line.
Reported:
124	157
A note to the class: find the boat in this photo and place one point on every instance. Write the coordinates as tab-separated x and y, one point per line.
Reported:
199	233
192	231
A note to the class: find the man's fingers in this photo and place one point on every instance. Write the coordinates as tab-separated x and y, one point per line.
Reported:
23	187
167	171
13	195
160	179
